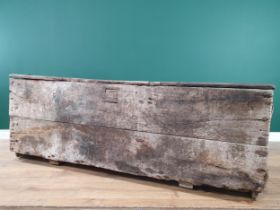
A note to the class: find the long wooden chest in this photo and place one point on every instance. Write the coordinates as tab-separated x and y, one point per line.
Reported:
197	133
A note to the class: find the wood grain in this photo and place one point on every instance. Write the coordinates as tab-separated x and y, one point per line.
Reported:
147	83
238	115
198	161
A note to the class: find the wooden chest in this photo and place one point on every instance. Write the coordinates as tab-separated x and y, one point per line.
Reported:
196	133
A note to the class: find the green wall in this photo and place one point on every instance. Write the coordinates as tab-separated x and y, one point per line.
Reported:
188	40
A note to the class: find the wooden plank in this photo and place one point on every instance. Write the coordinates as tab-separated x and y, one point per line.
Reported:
198	161
219	114
146	83
32	184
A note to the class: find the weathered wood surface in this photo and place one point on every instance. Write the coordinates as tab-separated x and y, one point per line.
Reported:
147	83
31	184
220	114
202	135
198	161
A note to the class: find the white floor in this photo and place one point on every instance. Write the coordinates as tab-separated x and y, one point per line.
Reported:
273	137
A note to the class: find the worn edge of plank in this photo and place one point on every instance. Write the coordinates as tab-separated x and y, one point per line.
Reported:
148	83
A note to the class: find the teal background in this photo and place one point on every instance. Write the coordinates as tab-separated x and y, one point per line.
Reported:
156	40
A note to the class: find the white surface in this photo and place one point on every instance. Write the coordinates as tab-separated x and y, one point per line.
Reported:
273	136
4	134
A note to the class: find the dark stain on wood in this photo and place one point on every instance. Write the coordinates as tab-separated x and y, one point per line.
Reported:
261	153
125	167
262	141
